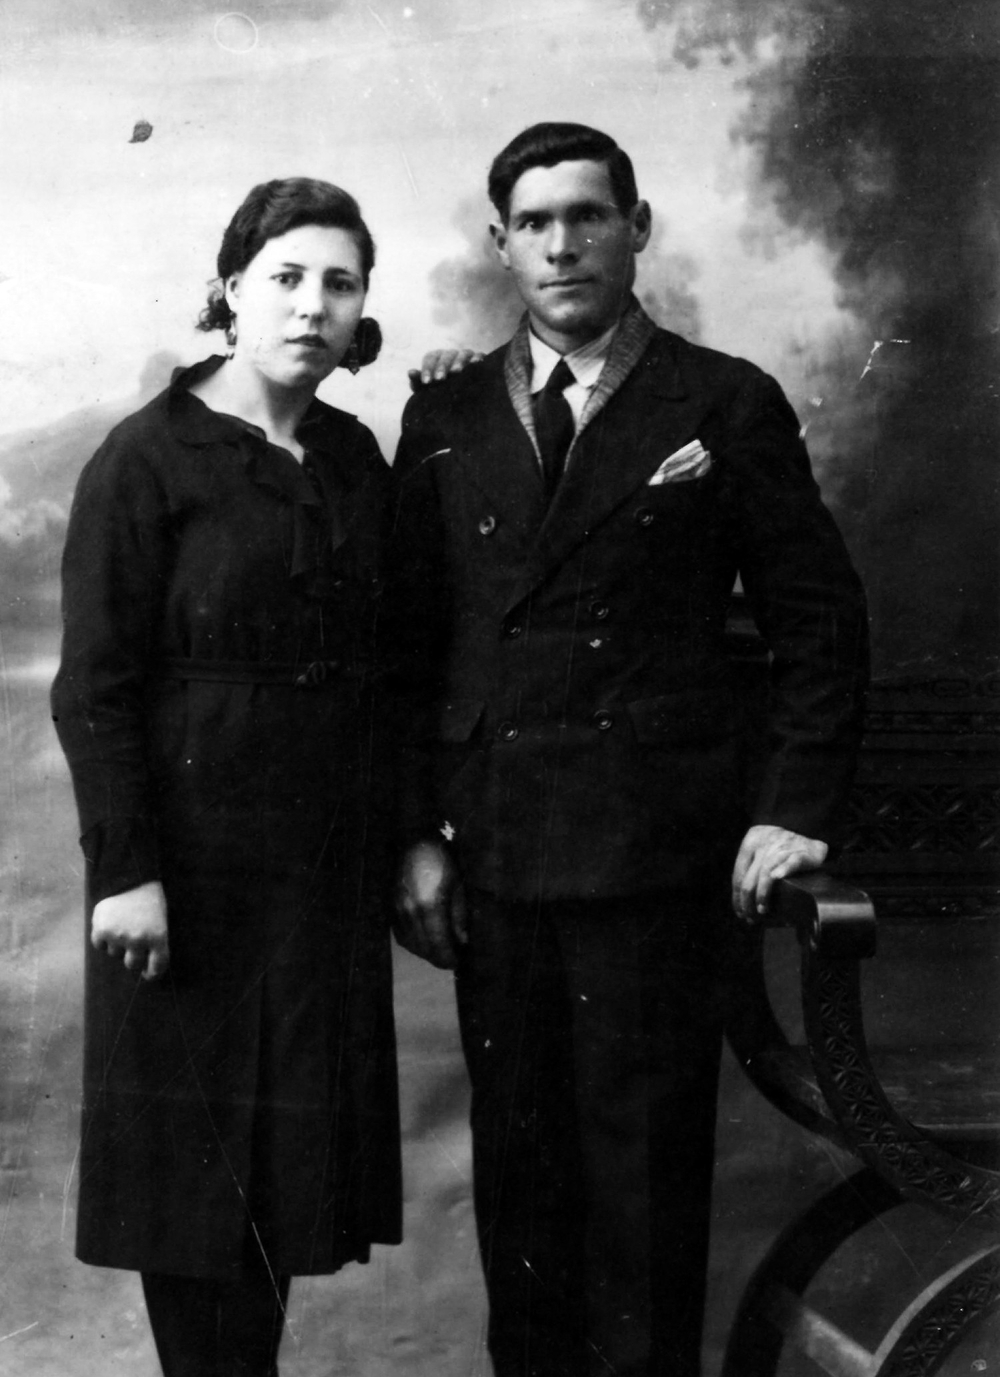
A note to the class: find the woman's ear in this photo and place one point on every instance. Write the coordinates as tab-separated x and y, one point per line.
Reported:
231	291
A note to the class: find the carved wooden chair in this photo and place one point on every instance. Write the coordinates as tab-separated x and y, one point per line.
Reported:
924	846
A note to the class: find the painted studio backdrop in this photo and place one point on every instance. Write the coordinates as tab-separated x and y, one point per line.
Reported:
823	178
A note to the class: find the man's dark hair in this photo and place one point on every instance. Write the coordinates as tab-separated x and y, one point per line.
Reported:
270	210
544	145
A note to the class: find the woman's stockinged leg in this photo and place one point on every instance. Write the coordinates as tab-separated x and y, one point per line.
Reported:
205	1328
184	1317
252	1323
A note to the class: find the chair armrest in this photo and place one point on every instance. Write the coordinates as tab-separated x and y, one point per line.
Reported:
837	919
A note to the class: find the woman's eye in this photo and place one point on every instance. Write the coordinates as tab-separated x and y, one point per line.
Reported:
286	279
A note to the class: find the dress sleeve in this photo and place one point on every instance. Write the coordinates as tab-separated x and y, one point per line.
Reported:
810	609
113	578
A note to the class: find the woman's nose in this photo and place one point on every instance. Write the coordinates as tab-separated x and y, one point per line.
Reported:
310	300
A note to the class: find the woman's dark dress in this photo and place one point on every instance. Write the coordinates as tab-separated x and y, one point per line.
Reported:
215	702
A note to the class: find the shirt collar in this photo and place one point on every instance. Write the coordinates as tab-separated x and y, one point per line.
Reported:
584	363
633	334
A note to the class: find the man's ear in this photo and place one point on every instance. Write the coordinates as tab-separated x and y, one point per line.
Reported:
498	233
642	225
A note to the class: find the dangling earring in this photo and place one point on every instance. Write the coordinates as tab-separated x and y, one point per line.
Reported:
364	346
352	358
231	335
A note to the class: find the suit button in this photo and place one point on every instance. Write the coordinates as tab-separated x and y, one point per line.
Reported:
512	630
507	731
487	525
644	516
603	720
599	610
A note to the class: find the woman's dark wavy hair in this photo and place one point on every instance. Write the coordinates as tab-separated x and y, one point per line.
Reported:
270	210
544	145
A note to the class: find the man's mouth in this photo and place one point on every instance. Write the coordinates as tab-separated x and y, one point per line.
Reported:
558	282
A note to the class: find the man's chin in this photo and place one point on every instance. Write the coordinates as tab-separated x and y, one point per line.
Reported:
573	322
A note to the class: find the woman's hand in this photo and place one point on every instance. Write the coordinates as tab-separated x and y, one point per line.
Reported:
438	363
430	906
134	923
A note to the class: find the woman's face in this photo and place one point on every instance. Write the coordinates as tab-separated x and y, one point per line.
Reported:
297	305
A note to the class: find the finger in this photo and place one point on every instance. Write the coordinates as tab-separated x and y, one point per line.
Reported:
792	862
740	866
438	931
135	956
423	931
776	862
746	898
158	963
762	890
416	379
406	928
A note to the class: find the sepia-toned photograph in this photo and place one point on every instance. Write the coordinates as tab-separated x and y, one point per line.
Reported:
500	684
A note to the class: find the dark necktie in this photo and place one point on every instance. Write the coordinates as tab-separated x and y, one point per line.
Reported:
554	424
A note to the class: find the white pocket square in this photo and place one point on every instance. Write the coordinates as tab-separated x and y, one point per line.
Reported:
690	461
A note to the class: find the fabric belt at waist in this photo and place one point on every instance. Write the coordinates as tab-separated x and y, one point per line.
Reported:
302	675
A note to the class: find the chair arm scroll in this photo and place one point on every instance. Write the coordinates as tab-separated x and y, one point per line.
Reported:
837	919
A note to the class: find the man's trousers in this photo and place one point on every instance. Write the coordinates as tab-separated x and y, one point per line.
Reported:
592	1033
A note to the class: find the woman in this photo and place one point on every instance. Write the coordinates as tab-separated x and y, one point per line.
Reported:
215	702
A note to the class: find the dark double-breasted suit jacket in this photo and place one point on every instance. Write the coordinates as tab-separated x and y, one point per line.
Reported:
568	694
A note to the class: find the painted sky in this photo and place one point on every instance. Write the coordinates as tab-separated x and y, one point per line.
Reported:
824	182
106	244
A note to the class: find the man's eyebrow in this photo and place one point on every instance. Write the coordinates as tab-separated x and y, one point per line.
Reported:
573	208
591	203
529	214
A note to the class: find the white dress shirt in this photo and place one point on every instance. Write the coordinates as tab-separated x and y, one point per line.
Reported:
584	363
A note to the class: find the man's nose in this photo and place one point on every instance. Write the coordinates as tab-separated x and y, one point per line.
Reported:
562	242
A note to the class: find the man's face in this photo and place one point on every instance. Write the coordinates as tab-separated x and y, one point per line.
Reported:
571	250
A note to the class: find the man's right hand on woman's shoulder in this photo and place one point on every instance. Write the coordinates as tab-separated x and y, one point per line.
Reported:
135	924
437	364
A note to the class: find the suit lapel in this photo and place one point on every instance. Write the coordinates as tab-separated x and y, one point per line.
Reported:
496	450
631	427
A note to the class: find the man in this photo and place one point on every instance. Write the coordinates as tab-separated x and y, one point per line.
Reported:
573	513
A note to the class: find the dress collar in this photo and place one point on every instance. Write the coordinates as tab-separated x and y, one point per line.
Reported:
197	424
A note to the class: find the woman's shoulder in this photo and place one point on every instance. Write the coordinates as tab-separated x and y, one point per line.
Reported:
342	433
147	445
